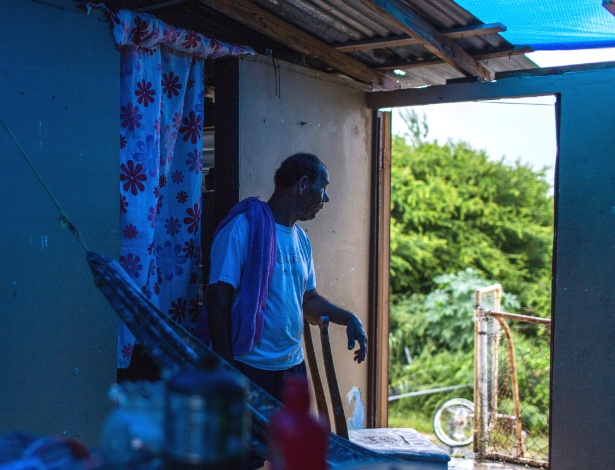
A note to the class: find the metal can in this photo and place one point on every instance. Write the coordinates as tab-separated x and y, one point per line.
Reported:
207	421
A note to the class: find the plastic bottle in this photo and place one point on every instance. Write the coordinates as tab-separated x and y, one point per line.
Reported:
207	421
296	439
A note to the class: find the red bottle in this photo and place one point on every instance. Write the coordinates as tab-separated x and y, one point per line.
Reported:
296	439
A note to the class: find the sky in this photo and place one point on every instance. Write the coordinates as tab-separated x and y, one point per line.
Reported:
512	128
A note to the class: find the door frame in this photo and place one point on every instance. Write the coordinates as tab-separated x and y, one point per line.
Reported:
584	233
379	273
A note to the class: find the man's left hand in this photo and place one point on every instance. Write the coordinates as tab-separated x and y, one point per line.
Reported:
355	332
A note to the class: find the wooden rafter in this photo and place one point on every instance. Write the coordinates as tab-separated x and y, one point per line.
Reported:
609	5
158	6
275	28
429	37
405	40
490	55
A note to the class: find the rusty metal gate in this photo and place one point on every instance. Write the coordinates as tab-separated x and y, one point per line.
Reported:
511	389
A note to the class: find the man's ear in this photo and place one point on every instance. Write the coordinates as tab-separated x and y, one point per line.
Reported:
303	184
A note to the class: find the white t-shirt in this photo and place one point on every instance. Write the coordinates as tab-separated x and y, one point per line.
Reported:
293	275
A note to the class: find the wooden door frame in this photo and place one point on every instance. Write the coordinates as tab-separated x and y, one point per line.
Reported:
378	327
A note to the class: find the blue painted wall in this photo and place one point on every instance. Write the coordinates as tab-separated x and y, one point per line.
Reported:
583	341
60	96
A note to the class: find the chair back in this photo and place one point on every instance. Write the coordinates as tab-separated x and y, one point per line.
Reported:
339	418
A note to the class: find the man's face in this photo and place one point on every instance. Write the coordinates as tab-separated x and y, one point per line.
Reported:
315	195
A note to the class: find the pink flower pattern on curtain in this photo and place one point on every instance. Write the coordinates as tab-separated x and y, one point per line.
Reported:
162	95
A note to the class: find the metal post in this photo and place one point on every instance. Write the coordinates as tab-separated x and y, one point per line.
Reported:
481	367
481	399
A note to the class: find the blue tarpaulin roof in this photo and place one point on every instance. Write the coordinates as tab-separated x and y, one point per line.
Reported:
548	25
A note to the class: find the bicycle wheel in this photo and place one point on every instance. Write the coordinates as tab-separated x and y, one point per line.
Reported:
453	422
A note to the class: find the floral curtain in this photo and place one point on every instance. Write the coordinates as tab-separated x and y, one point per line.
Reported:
162	93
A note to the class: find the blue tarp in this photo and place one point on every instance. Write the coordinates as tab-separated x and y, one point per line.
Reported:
548	25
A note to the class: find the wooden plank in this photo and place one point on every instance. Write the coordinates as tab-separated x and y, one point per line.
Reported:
504	53
226	181
319	391
158	6
275	28
490	55
522	83
378	320
405	40
429	37
341	428
558	70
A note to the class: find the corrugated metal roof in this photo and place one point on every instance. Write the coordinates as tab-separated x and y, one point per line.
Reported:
350	23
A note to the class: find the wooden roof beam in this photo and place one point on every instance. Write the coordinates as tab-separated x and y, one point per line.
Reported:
158	6
429	37
275	28
405	40
490	55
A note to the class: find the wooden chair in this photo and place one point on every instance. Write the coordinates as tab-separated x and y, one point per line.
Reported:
406	444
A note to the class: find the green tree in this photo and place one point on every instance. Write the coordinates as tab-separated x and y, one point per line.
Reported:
460	221
453	208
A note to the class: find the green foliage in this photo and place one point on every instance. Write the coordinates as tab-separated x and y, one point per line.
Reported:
459	222
431	345
533	371
452	208
443	318
431	369
431	340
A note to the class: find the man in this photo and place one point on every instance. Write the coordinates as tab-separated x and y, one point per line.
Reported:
259	291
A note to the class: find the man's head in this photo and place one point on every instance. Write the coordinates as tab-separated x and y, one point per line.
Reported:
306	177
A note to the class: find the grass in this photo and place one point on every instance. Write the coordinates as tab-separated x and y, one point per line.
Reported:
401	417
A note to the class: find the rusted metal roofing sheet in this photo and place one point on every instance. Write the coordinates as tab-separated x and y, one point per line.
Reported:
363	30
343	22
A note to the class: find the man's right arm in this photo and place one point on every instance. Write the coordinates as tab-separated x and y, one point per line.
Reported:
219	301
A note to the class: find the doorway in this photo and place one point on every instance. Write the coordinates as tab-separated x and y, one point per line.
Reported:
472	190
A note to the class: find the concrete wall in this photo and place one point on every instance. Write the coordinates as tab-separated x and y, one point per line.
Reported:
583	343
329	119
60	97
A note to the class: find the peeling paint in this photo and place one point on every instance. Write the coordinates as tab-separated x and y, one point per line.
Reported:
42	242
41	133
355	422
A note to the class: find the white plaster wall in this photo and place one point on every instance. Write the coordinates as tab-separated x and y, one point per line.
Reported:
327	118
